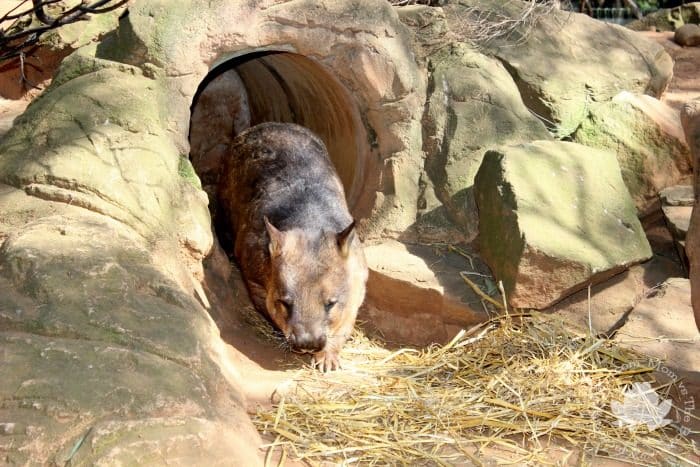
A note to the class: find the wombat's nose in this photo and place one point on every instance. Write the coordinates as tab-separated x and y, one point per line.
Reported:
303	341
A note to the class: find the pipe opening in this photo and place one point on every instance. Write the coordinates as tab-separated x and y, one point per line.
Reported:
269	86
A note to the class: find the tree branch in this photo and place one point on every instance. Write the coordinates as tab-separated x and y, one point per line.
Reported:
41	15
23	32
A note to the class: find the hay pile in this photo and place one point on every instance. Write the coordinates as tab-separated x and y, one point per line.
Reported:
517	389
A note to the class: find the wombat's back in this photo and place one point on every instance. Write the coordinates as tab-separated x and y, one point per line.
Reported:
282	171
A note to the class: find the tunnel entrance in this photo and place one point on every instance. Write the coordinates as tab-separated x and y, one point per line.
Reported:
273	86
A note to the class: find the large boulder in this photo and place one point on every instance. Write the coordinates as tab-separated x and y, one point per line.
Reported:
73	144
473	105
481	98
554	217
647	138
567	61
106	358
416	295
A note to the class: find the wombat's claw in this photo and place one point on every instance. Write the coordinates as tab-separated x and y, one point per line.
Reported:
326	361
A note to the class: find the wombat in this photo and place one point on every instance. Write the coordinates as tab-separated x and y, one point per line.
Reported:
293	237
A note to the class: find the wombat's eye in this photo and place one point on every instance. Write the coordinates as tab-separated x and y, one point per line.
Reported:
286	305
330	304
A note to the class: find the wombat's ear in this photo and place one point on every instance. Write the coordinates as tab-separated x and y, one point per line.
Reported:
345	239
276	238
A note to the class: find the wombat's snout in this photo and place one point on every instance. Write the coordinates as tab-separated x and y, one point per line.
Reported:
305	342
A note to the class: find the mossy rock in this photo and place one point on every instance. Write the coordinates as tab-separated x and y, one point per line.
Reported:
473	106
668	19
651	158
554	217
567	61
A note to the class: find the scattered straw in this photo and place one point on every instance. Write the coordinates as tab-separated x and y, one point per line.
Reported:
520	389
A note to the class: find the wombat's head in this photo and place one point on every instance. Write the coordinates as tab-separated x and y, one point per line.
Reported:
316	285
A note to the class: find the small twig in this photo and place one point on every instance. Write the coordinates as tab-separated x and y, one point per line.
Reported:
480	292
475	274
503	295
481	25
462	253
590	320
77	446
22	76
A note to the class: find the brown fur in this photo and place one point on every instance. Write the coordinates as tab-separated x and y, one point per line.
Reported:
293	237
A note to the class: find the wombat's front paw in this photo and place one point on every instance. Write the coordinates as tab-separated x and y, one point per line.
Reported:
326	360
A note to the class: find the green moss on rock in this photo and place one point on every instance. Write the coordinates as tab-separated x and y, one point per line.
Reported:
650	158
187	172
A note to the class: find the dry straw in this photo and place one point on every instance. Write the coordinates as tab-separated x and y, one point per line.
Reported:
520	389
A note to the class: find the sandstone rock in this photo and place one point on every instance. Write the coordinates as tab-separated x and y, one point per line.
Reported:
647	138
660	326
98	188
668	19
690	119
416	297
677	195
570	61
473	106
555	216
611	301
81	151
690	116
434	224
82	306
677	215
687	35
428	26
678	220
